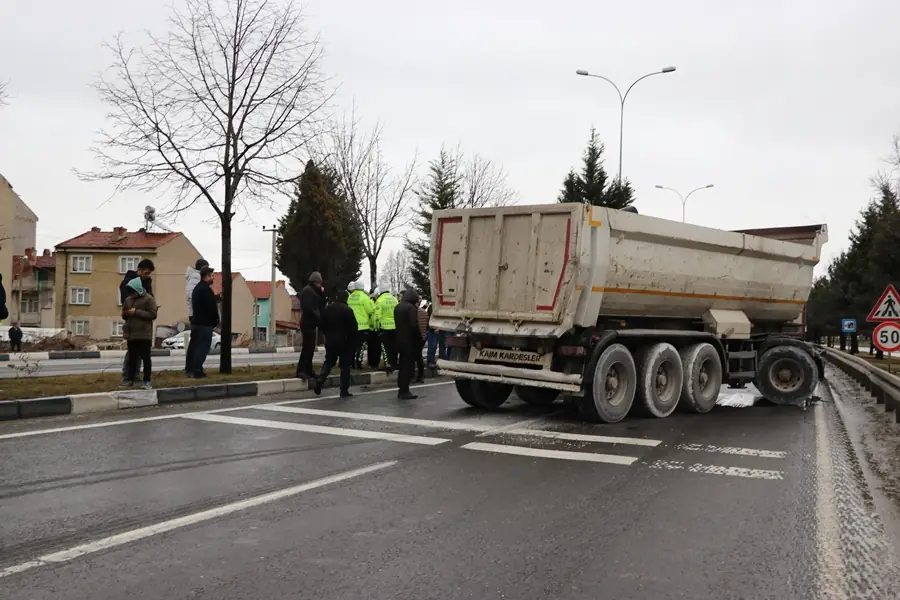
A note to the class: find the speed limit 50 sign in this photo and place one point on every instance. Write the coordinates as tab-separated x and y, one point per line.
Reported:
887	337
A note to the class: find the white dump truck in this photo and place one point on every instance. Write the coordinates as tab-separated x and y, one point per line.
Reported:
620	311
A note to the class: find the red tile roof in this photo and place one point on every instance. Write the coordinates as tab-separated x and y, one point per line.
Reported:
45	261
261	290
287	325
217	282
118	238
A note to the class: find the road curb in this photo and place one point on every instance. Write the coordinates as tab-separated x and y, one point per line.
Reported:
91	354
137	398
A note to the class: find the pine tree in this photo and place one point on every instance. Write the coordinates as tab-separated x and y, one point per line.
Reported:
593	185
319	233
441	190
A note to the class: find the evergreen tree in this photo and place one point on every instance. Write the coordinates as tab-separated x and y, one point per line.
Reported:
441	190
319	233
593	185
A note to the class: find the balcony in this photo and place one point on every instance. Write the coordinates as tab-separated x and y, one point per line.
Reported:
30	284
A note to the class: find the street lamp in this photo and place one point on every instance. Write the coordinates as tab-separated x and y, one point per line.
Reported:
622	98
684	199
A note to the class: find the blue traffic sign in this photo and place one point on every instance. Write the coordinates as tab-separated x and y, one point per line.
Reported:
848	325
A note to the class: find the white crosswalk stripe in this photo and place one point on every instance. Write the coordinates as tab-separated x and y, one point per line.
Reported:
558	454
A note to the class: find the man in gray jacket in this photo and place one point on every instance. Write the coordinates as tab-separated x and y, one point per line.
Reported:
191	279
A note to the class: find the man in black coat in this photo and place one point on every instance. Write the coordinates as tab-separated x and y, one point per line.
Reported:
144	270
15	338
339	325
4	313
203	322
311	303
406	318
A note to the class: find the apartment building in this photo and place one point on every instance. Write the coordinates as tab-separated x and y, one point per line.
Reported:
90	267
32	292
262	296
241	304
18	229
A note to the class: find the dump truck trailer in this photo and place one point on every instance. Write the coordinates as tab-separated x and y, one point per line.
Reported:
618	311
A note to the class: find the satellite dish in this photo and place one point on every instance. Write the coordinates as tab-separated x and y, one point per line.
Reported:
180	327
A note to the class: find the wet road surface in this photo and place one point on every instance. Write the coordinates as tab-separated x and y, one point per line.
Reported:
378	498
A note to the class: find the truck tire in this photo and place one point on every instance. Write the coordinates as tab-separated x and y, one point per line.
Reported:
536	396
489	395
786	375
612	390
659	383
464	389
702	377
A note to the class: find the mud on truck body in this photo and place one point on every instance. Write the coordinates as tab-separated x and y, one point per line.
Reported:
619	311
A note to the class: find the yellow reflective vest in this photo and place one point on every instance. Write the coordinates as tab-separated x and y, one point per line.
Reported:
363	309
384	312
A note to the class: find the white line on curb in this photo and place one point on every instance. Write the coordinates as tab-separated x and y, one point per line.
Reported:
674	465
354	433
558	454
144	532
832	570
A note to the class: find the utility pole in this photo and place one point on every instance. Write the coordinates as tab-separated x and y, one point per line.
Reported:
270	332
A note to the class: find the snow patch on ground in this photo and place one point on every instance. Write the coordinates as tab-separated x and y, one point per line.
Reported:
743	398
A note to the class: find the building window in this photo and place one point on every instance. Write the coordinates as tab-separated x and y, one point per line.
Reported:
117	327
256	310
80	296
29	304
81	327
128	263
82	264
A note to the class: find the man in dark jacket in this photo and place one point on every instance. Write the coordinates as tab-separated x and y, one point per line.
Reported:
406	319
204	320
310	320
144	270
15	338
4	313
339	325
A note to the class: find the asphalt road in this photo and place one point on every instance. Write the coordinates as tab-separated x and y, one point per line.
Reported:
49	368
376	498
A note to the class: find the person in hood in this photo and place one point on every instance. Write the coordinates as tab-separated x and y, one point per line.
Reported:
311	302
15	338
144	272
139	311
191	279
384	323
4	313
206	319
363	309
340	327
406	319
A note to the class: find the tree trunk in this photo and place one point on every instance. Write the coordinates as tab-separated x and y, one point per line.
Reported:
854	344
373	272
843	342
225	357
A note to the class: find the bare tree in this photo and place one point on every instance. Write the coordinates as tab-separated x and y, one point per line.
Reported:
380	196
3	93
215	111
397	270
484	184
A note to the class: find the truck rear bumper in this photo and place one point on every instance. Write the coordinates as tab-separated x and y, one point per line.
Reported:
511	375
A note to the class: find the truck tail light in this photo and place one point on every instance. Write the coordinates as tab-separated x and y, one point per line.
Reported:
571	351
457	341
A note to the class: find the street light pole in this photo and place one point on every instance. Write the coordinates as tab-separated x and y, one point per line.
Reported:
622	98
270	338
684	199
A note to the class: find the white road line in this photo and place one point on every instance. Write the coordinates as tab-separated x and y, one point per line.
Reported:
582	437
127	537
674	465
355	433
558	454
832	570
21	434
455	425
731	450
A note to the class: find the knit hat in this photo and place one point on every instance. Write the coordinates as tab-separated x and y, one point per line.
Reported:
136	285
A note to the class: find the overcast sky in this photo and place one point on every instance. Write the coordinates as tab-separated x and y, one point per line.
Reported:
787	107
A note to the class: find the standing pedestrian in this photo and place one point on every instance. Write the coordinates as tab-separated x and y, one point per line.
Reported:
4	313
206	319
15	338
340	327
144	271
407	322
311	302
423	332
139	312
363	309
384	322
191	279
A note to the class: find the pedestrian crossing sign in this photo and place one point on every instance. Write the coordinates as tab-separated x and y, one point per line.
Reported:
887	308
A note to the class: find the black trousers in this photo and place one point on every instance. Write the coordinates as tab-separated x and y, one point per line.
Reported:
15	346
420	362
389	341
305	363
138	352
405	366
373	349
344	355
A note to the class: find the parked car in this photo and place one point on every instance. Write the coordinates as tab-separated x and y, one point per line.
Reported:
176	342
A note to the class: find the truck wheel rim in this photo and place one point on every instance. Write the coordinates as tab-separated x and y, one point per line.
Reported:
704	378
663	377
786	375
615	389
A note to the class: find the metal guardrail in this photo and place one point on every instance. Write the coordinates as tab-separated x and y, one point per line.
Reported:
881	384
